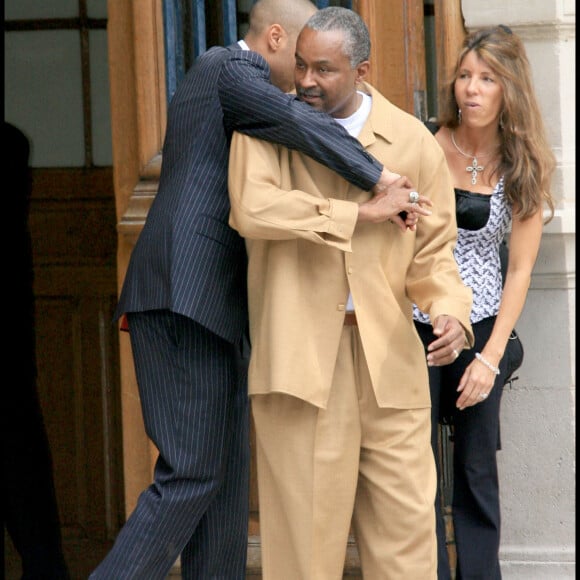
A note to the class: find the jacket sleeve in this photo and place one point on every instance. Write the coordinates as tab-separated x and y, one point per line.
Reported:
262	209
252	105
433	280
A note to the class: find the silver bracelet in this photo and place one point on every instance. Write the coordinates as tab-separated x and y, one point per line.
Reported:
480	358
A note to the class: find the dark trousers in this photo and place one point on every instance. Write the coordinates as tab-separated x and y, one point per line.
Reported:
194	399
29	503
476	440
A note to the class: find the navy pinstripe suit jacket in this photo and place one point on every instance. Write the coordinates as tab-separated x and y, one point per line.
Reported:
187	259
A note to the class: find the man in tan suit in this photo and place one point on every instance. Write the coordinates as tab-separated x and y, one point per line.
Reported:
338	379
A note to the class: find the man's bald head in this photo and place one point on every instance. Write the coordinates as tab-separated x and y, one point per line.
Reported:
290	14
274	28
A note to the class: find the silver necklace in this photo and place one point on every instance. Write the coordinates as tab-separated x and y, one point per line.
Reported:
474	168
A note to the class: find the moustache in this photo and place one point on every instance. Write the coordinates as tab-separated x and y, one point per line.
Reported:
308	93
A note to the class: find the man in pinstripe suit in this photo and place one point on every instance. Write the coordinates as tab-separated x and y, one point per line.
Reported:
185	299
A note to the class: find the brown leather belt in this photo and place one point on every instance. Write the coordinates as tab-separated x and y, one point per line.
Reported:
350	319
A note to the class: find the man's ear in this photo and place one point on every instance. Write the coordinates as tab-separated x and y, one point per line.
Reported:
275	36
362	70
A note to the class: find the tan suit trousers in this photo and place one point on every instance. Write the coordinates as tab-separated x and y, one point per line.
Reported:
319	470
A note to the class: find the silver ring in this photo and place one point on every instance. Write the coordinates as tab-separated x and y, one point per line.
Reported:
413	197
455	353
483	395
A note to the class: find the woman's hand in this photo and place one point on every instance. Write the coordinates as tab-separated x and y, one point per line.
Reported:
475	385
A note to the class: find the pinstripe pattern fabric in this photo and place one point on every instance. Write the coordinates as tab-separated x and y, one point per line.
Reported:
186	300
196	412
305	129
187	259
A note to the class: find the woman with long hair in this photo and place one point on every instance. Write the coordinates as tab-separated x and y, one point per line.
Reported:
493	136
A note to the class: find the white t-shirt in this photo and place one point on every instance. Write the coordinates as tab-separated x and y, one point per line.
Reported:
354	125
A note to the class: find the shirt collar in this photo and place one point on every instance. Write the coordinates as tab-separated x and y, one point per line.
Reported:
380	118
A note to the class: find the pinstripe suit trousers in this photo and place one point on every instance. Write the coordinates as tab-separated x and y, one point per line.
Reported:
193	393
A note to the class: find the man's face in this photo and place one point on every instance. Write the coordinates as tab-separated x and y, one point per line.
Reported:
282	70
323	75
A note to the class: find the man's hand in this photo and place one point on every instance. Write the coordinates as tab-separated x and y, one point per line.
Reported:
450	341
389	204
388	178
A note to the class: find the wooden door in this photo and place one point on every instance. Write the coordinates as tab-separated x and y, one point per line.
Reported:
72	227
138	97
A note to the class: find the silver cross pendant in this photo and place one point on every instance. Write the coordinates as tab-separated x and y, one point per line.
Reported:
474	169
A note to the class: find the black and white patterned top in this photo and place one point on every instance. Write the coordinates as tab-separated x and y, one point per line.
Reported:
482	222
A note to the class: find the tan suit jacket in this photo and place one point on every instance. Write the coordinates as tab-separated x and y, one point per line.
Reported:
305	254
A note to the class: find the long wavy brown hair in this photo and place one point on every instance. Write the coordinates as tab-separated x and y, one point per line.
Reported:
527	162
